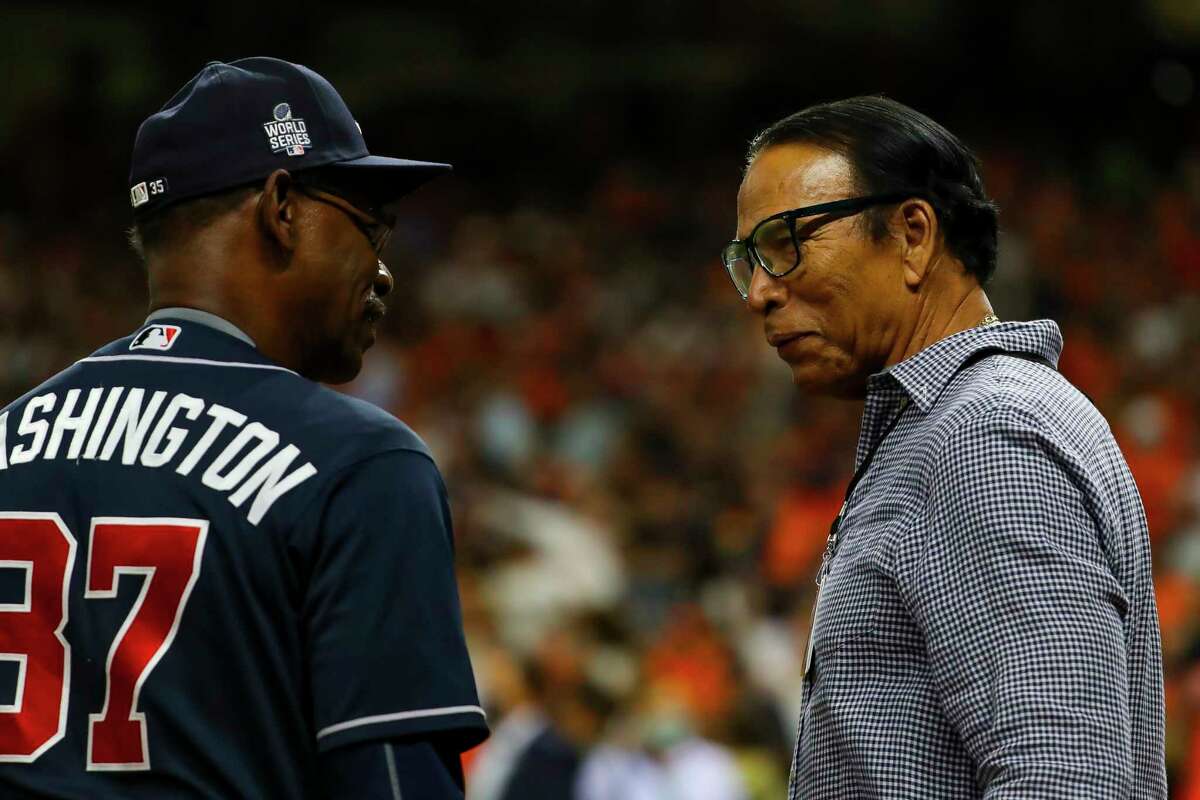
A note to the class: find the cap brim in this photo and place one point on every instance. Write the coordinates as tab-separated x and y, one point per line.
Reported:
385	179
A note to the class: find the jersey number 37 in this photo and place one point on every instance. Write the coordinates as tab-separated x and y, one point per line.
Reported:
165	551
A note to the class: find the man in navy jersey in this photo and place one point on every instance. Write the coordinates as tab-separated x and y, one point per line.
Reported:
219	579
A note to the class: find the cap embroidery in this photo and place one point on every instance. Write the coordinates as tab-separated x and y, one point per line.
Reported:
285	133
142	193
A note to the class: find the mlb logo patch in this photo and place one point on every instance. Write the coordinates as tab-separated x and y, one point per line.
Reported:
155	337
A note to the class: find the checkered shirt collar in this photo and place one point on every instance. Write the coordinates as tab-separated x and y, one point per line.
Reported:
923	376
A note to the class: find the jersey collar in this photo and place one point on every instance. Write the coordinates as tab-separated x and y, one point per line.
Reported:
202	318
195	339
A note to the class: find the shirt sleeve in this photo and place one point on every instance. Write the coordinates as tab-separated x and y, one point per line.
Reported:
386	649
1023	618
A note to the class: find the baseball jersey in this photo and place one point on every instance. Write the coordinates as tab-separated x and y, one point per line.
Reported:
211	571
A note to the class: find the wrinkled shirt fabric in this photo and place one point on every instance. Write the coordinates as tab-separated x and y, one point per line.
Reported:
987	626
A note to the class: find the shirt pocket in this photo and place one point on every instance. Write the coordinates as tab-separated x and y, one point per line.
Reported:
849	605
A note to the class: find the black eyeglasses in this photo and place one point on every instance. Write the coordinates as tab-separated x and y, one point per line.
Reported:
377	226
774	245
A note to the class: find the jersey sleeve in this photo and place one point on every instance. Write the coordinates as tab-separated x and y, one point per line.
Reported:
386	651
393	769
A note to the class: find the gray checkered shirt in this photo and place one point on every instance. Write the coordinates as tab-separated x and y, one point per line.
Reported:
987	625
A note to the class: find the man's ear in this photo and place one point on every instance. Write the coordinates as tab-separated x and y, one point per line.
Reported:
277	211
917	225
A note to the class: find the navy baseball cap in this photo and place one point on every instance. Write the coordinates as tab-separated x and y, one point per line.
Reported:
236	123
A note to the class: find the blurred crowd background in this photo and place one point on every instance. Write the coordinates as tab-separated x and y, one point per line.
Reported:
640	496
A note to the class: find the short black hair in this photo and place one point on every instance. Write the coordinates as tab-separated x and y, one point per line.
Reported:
169	227
894	148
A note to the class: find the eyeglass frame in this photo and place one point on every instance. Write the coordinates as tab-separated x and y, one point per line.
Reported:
847	207
377	226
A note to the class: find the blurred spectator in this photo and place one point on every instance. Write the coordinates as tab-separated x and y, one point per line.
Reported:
527	757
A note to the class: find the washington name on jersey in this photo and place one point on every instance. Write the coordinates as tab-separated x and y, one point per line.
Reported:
159	430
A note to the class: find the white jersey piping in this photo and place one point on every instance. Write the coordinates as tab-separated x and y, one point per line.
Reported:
203	362
400	715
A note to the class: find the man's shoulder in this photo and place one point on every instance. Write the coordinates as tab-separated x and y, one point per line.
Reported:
342	419
1005	394
57	382
332	429
335	429
316	417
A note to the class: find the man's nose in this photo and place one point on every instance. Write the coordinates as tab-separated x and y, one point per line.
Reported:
766	291
383	280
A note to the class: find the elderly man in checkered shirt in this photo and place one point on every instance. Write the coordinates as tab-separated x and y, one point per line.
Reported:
985	625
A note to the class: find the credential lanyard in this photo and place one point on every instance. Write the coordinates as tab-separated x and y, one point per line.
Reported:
832	540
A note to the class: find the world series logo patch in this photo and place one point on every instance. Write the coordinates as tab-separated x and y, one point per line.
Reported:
287	134
155	337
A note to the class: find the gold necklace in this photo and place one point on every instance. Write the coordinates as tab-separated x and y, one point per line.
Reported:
990	319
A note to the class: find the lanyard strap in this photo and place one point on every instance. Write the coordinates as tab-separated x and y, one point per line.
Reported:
831	542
